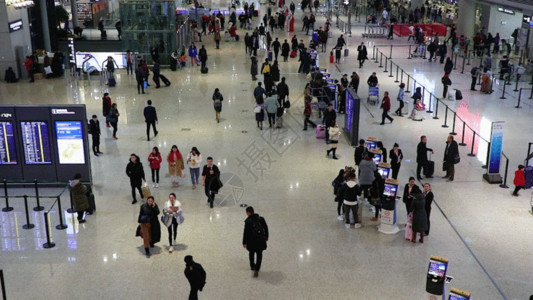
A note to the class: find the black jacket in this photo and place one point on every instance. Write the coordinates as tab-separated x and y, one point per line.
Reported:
450	152
276	46
151	213
249	239
394	158
372	81
135	172
283	89
406	195
196	275
150	115
329	118
422	153
285	49
94	128
358	154
448	67
202	54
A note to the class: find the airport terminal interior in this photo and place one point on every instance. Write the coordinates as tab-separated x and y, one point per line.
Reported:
285	174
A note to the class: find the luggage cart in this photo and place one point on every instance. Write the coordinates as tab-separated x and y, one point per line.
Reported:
420	51
373	95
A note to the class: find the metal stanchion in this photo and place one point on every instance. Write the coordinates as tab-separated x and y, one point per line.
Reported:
455	62
386	65
473	142
71	210
519	98
396	74
407	85
446	118
3	285
390	74
390	54
462	143
430	104
61	226
531	95
7	208
463	70
436	107
409	54
453	126
504	184
401	77
373	51
516	85
377	52
48	243
28	224
38	207
468	57
381	60
503	92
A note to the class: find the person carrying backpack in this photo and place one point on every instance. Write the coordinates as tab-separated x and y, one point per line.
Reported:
255	238
217	103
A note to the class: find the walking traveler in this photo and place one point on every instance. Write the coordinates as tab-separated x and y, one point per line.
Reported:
112	118
334	135
211	181
135	172
195	274
175	165
217	103
307	112
194	158
519	180
154	159
385	105
330	117
446	82
140	76
271	105
400	98
362	54
150	230
255	238
106	106
150	117
172	217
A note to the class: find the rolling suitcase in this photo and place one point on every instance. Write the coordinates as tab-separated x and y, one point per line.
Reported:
237	38
111	82
429	168
165	80
269	56
458	95
293	53
529	177
346	52
320	131
92	203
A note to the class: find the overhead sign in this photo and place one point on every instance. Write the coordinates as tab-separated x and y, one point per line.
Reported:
15	25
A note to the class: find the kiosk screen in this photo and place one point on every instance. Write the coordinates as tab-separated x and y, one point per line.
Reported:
384	172
370	145
7	144
390	190
70	142
36	142
454	296
377	158
437	268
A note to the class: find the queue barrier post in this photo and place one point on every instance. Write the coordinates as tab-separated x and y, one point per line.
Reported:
436	117
407	85
409	54
390	54
397	74
38	207
7	208
48	243
430	104
503	91
445	118
473	142
390	74
3	285
381	60
519	98
504	184
28	225
71	210
462	143
453	126
61	226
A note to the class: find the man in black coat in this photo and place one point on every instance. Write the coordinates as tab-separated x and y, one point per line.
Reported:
255	238
94	130
139	76
422	156
359	152
362	54
283	91
451	153
330	116
157	71
372	80
150	117
276	45
340	42
196	276
202	54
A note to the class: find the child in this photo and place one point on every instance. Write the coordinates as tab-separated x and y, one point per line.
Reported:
519	180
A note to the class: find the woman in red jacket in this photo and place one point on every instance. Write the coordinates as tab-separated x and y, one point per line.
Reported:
519	180
385	105
154	159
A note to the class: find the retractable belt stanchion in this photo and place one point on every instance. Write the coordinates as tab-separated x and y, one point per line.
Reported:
386	65
28	224
407	85
504	184
390	69
519	98
7	208
462	143
380	60
61	226
397	74
3	285
503	91
390	54
473	142
48	243
409	54
445	118
38	207
436	117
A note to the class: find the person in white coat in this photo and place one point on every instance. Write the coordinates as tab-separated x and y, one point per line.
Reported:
172	217
194	160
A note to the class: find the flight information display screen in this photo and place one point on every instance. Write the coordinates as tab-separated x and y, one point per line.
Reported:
7	144
36	142
70	142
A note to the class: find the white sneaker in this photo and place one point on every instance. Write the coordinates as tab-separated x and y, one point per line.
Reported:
347	225
157	185
357	225
340	218
153	184
170	248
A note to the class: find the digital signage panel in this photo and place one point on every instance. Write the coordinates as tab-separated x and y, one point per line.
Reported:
7	144
70	142
36	142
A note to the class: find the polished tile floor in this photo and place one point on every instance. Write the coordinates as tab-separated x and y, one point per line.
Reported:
285	175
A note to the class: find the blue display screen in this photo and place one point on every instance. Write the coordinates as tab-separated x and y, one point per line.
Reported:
70	142
7	144
454	296
390	190
384	172
437	268
36	142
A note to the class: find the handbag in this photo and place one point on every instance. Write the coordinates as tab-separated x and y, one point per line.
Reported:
280	112
144	219
456	159
287	103
257	109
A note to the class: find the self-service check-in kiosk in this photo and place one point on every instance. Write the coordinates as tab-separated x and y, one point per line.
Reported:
457	294
371	142
384	170
377	155
436	275
388	219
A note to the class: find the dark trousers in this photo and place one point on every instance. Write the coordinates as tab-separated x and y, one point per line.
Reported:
428	213
255	264
271	119
327	134
156	80
129	68
276	54
307	121
354	209
399	110
203	64
96	144
365	188
115	128
445	92
133	192
80	215
217	42
140	86
148	124
340	207
210	195
517	188
419	167
172	227
473	83
395	170
155	175
285	58
361	62
193	295
385	115
450	170
431	54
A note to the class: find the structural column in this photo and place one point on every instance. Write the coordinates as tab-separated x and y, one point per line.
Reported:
466	18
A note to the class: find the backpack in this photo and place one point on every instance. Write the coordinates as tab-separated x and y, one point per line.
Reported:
258	231
217	103
266	69
474	71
